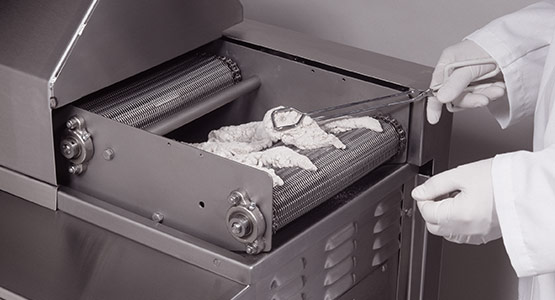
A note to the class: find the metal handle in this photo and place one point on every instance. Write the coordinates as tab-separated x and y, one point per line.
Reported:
413	96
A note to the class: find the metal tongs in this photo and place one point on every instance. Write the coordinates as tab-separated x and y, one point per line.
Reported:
477	84
333	113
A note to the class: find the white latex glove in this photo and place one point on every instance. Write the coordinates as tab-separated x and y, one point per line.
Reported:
458	66
470	216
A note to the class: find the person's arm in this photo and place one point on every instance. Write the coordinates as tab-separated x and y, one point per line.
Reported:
519	43
524	192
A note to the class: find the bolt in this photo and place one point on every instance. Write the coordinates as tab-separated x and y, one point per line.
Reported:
157	217
72	123
86	136
240	226
252	206
234	198
384	268
75	169
70	148
251	250
236	228
108	154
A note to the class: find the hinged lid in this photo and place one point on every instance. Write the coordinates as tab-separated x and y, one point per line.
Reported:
81	46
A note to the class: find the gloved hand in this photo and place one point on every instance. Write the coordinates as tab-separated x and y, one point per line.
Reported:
471	63
469	217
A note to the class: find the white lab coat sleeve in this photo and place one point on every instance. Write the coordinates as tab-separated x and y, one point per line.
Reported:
524	193
518	42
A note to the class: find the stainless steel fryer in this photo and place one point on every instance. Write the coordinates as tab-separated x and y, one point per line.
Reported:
105	145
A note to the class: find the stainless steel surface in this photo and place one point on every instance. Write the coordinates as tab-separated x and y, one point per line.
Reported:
367	214
362	243
25	122
156	235
8	295
171	123
321	253
385	69
155	174
35	48
139	38
56	256
430	258
114	35
429	142
31	189
289	81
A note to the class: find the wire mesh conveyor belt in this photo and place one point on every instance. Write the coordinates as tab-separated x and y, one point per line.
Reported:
304	190
157	94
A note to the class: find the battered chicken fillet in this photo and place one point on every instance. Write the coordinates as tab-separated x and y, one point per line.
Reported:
246	143
350	123
278	157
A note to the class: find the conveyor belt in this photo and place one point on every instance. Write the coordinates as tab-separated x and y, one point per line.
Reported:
151	97
303	190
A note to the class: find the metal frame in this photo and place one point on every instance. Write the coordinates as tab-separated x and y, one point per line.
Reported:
154	177
297	244
349	71
28	188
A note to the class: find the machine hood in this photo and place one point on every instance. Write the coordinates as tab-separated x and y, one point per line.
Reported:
82	46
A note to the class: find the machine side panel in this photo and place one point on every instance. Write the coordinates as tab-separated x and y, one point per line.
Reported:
429	142
52	255
152	174
162	238
26	126
123	38
28	188
382	67
357	243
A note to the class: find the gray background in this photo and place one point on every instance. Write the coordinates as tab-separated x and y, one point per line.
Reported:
418	31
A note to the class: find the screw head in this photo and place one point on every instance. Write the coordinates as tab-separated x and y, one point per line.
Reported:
72	169
108	154
75	169
86	136
250	249
72	123
252	206
157	217
234	198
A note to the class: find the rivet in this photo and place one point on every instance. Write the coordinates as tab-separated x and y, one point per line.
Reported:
53	102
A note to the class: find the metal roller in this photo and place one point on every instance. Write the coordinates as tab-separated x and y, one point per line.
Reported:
161	93
303	190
